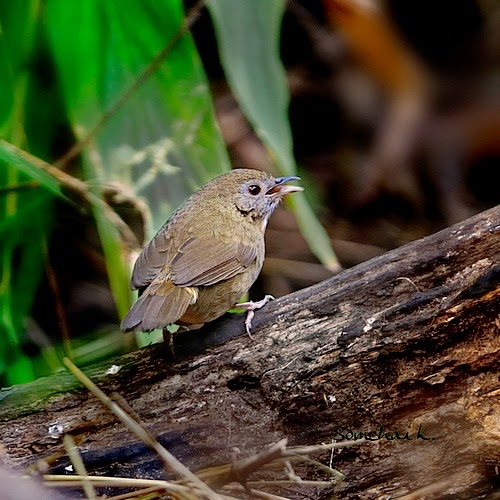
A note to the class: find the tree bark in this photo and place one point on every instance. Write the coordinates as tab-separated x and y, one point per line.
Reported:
405	342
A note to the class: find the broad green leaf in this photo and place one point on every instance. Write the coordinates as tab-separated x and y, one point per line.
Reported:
163	142
248	34
118	271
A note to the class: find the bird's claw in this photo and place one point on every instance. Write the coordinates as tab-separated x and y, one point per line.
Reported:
251	307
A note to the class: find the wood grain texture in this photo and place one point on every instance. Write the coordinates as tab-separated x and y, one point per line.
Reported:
408	340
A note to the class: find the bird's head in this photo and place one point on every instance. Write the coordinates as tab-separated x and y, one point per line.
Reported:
258	193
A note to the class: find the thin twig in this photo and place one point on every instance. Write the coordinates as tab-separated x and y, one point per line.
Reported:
136	493
306	450
409	281
78	465
115	482
255	493
59	307
438	487
288	482
293	454
20	186
243	468
77	186
326	468
169	460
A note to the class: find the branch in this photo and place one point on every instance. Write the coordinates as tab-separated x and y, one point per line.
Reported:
401	350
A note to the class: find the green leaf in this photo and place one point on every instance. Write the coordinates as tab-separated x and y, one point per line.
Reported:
18	21
163	142
248	34
118	271
26	199
24	223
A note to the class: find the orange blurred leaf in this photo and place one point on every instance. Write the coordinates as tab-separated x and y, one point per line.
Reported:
376	43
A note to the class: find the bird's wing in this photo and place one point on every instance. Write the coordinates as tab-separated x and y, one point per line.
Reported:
150	262
204	261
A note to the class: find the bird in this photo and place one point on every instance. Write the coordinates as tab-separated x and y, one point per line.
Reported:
208	254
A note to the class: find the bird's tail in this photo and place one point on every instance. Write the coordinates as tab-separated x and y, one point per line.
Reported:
160	305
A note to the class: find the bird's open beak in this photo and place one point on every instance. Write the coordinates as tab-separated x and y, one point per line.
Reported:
279	189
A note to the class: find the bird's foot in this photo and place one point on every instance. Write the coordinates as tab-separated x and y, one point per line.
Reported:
251	307
170	333
168	339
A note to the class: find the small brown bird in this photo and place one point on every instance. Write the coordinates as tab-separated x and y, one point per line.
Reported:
208	253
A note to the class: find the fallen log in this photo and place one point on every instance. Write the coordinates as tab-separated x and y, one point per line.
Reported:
401	350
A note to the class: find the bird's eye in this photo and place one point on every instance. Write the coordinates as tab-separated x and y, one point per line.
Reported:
254	189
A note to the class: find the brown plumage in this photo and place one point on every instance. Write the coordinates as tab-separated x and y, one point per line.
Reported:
208	254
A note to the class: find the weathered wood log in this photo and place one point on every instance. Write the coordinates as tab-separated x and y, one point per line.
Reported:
406	342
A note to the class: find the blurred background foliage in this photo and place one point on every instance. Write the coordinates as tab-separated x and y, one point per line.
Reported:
111	114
